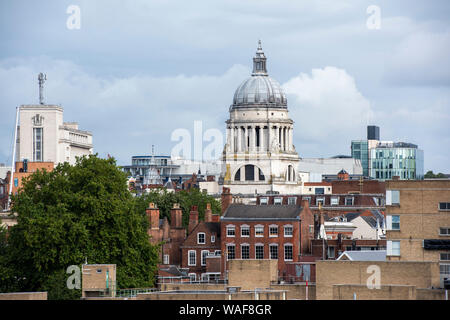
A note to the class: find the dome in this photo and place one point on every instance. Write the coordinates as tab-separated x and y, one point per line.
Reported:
259	89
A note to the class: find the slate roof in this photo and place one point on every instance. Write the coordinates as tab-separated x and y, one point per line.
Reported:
174	271
364	255
262	212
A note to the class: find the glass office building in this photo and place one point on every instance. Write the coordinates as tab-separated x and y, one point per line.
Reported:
396	159
360	150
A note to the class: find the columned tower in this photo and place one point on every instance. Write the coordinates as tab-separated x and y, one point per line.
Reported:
259	154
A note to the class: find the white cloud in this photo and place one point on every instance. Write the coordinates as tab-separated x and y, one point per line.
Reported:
420	59
328	111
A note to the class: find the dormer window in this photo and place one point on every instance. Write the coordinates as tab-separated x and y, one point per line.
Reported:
201	238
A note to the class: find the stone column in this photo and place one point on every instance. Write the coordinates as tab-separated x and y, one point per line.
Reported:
232	139
253	138
291	141
245	138
261	138
239	139
269	137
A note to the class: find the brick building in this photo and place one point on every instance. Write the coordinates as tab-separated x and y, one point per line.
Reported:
418	222
170	235
200	252
263	232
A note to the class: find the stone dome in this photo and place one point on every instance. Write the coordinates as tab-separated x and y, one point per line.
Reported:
259	89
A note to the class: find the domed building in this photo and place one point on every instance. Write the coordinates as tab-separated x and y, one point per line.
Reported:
259	155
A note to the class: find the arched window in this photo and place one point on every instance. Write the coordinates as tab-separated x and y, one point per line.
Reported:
290	176
249	173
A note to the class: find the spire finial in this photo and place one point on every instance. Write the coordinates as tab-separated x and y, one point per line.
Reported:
259	61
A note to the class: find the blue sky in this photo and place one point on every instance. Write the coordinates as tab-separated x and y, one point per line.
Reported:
137	70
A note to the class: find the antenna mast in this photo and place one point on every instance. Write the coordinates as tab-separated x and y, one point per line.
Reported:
41	78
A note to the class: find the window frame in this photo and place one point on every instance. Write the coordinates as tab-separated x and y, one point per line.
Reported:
228	246
444	234
291	246
447	206
259	245
276	199
270	251
270	233
230	227
203	257
258	226
166	259
198	237
247	246
247	228
190	264
264	201
291	227
290	200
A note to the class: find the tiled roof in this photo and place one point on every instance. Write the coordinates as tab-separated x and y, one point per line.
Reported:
241	211
364	255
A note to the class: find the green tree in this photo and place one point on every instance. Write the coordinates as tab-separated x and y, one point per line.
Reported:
165	200
74	213
430	174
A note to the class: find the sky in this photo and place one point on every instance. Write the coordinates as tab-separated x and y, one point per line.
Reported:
136	71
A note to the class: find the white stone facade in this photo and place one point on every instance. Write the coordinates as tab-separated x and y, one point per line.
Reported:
259	154
42	135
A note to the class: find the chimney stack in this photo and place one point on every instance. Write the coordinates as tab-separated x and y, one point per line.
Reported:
226	199
208	213
193	218
153	215
176	216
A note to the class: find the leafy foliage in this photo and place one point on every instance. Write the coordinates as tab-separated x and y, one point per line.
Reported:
71	214
430	174
165	200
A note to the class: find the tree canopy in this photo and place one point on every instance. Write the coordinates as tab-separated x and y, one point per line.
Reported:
70	215
430	174
186	198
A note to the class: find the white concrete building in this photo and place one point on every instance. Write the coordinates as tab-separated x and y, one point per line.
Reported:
42	135
259	154
317	167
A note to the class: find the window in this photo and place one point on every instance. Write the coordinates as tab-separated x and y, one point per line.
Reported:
245	251
445	256
204	255
277	200
311	228
320	200
99	270
192	276
231	250
217	252
231	231
273	251
444	231
192	258
393	248
264	200
319	190
331	252
37	144
288	230
348	201
334	201
166	259
259	231
213	239
259	251
444	205
395	223
201	238
392	197
292	200
273	231
288	252
245	231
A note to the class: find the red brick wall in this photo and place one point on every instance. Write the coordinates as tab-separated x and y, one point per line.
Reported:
266	240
